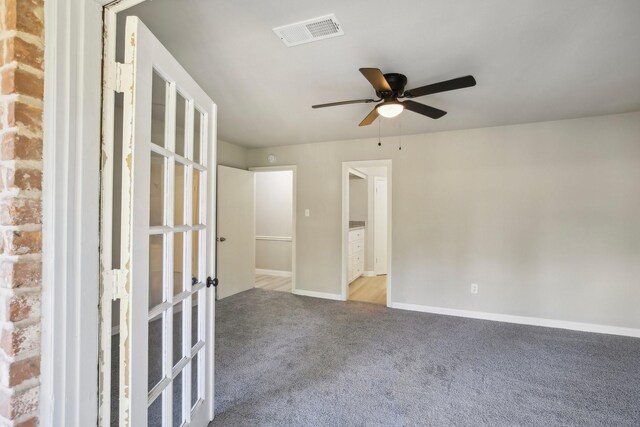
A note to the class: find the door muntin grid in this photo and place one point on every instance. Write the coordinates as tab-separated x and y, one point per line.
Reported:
181	227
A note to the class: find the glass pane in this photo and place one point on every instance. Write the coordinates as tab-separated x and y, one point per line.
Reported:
154	413
181	106
177	332
194	319
177	400
194	380
195	252
115	362
196	197
178	263
156	200
158	109
156	339
197	119
155	270
178	205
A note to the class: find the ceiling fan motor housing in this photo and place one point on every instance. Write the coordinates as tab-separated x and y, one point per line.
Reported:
397	82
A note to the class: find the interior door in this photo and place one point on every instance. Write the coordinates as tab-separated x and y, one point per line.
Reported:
168	227
236	231
380	225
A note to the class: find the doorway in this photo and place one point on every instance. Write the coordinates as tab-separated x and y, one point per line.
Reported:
275	242
366	225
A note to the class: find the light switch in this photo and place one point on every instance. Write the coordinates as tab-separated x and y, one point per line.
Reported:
307	212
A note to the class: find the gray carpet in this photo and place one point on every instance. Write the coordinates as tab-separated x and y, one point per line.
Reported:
285	360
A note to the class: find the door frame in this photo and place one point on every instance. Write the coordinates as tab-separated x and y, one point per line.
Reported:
375	221
345	222
70	198
294	207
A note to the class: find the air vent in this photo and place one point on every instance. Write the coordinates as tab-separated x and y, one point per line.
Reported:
309	31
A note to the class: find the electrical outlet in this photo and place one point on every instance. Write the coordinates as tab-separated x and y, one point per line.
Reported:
474	288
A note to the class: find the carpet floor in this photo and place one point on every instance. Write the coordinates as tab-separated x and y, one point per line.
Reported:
287	360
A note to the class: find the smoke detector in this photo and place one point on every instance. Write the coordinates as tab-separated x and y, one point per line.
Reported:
311	30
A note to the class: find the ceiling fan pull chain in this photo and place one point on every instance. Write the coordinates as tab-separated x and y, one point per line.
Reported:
400	132
379	142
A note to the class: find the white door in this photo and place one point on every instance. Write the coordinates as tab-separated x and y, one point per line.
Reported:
236	231
168	227
380	225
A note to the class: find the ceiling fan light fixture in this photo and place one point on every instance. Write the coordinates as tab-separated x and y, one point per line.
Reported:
390	109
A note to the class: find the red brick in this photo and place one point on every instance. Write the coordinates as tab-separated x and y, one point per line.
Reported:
27	274
20	147
21	307
18	404
21	178
22	242
31	422
24	15
20	340
28	116
26	53
18	211
24	370
19	81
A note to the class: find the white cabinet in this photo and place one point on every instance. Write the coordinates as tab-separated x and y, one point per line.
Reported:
356	254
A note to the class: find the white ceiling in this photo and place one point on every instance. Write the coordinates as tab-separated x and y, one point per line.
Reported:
534	60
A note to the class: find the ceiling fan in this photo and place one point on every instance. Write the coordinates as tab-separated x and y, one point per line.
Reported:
390	87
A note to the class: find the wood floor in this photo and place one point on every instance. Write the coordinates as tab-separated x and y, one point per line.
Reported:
369	289
273	283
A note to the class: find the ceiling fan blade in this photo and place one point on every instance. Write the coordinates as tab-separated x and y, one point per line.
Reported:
371	117
333	104
453	84
425	110
376	78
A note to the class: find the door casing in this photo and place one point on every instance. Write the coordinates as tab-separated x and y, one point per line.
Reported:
345	222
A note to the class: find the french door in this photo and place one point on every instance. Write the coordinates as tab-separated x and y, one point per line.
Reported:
167	253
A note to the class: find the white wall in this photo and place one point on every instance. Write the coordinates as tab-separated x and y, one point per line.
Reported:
232	155
274	218
358	199
545	217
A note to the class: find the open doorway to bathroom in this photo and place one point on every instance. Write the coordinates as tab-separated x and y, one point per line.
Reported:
275	228
366	220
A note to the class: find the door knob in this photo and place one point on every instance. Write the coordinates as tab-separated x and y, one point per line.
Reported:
222	239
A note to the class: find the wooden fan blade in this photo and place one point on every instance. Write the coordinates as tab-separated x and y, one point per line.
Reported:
371	117
453	84
376	78
425	110
333	104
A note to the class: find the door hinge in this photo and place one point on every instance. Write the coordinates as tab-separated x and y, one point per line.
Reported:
117	280
120	77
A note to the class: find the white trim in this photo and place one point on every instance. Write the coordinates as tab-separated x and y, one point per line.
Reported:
521	320
71	187
275	238
346	167
376	201
294	208
357	173
314	294
368	274
278	273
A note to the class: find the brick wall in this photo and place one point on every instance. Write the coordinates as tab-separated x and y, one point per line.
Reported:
21	82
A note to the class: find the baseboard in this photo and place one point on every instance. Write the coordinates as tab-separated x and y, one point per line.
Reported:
314	294
368	273
278	273
522	320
